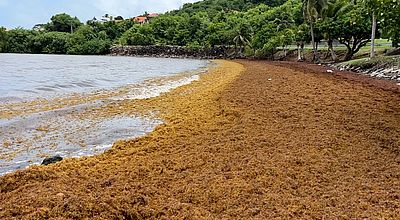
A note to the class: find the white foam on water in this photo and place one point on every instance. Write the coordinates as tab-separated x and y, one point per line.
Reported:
102	147
156	90
5	173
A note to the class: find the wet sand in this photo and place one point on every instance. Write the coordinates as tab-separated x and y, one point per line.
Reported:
249	140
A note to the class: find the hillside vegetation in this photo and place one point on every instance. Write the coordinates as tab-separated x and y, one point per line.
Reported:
254	28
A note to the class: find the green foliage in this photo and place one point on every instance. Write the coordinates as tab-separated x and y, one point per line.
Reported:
3	39
51	42
213	7
63	23
86	41
269	48
252	27
219	33
352	28
138	35
390	19
113	29
19	41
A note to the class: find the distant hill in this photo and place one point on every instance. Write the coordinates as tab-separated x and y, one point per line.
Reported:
215	6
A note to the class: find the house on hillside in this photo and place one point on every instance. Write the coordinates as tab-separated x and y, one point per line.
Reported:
105	18
118	19
152	15
145	18
140	19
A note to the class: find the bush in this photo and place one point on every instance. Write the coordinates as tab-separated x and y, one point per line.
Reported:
51	42
138	35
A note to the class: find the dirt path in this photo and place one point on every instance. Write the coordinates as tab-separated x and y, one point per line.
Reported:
249	140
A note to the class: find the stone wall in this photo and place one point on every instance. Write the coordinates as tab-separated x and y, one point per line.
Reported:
217	52
382	71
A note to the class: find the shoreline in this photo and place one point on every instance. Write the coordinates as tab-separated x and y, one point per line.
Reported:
250	139
33	130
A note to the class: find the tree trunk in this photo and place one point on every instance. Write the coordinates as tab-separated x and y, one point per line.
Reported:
373	34
302	50
284	52
349	53
348	56
298	52
236	51
330	49
313	41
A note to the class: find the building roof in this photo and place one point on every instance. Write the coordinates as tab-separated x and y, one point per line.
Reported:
153	15
140	19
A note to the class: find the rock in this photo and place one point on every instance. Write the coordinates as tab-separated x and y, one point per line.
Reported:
329	71
51	160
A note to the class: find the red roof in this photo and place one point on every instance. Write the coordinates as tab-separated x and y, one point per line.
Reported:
153	15
140	19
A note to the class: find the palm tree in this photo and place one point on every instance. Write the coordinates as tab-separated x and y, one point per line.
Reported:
240	41
312	11
242	36
330	12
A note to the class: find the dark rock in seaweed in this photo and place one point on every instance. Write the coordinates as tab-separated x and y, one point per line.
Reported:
51	160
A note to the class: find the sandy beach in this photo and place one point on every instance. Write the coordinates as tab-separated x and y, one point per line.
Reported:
248	140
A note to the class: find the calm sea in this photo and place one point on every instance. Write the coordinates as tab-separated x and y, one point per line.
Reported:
25	76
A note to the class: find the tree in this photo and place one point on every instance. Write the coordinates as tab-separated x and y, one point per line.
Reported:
286	37
20	40
138	35
329	14
312	11
374	9
63	23
86	41
39	27
165	28
51	43
269	48
243	34
3	39
240	42
390	20
353	29
219	33
301	35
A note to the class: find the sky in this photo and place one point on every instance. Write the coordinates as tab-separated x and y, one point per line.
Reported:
27	13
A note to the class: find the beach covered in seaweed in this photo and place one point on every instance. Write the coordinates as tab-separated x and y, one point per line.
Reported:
249	140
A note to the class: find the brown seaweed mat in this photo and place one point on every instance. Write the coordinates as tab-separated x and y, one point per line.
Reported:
250	140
